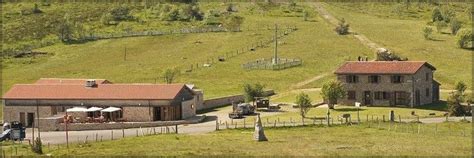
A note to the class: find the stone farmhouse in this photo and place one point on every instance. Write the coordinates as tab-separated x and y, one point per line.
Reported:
388	83
50	98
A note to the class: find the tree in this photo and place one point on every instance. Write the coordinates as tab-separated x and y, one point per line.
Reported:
464	36
460	88
436	15
456	98
65	29
342	28
440	25
252	91
304	103
233	22
455	26
331	92
427	32
169	75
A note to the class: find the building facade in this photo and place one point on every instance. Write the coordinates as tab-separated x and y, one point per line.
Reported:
50	98
388	83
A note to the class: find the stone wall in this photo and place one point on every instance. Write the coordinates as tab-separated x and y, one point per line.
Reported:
125	125
138	114
227	100
12	113
188	108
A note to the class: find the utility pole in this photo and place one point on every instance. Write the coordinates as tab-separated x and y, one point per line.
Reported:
38	117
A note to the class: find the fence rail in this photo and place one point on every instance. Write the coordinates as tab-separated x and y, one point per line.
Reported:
268	65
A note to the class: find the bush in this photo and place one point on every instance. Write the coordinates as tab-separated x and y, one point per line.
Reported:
37	146
121	13
342	28
440	25
436	15
427	32
464	36
455	26
233	22
36	9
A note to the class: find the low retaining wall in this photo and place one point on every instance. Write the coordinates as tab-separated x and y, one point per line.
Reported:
227	100
118	125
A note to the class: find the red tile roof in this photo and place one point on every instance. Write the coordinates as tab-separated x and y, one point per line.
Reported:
100	92
69	81
382	67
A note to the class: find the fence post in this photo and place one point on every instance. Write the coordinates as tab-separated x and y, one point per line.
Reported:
418	128
112	136
383	118
399	118
217	125
176	127
226	126
274	124
244	122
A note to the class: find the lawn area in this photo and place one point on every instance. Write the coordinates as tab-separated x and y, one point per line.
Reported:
404	36
290	141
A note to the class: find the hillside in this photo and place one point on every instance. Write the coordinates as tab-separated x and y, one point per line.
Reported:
147	57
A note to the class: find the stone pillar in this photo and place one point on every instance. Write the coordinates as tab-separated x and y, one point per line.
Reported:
259	135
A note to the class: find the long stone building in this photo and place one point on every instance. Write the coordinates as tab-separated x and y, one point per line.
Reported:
50	98
388	83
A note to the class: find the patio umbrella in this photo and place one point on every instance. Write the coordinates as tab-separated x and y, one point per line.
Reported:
111	109
93	109
76	109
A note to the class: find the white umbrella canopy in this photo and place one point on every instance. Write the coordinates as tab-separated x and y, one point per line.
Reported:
111	109
76	109
93	109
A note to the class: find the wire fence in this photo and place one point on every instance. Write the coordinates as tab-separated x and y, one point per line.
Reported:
402	126
251	47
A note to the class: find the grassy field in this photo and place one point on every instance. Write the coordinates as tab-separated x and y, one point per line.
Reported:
290	141
147	57
404	36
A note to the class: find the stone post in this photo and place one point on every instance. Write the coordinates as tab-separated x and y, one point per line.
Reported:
259	135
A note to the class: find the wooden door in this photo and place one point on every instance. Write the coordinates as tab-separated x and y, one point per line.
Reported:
22	118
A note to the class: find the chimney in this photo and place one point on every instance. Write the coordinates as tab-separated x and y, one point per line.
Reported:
90	83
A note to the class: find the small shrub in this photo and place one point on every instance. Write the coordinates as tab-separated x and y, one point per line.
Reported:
427	32
464	36
440	25
436	15
455	26
37	146
342	28
304	103
36	9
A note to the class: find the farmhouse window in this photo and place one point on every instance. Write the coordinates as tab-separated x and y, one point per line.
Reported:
386	95
378	95
397	79
427	92
374	79
352	79
351	95
427	76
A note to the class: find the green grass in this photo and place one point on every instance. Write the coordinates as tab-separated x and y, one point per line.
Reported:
405	38
147	57
290	141
364	112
